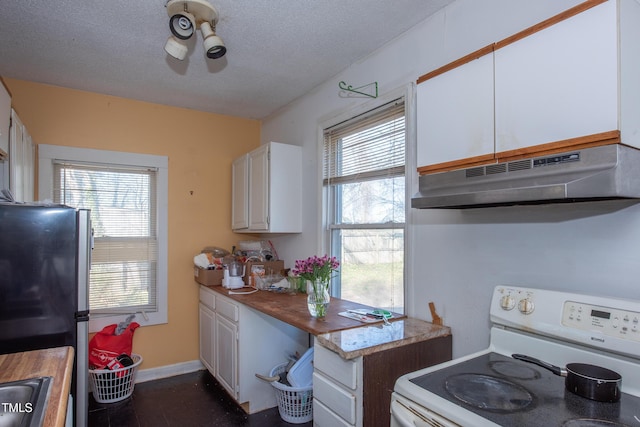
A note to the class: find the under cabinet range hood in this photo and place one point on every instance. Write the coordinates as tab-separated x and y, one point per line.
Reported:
598	173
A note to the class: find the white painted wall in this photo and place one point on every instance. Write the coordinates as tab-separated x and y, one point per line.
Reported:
457	257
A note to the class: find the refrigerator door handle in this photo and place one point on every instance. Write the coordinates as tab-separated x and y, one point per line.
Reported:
82	316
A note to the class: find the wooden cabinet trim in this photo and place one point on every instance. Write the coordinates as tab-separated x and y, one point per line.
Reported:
586	5
458	164
549	22
457	63
604	138
595	140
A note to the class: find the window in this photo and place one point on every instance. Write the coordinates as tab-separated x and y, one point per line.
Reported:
128	216
364	187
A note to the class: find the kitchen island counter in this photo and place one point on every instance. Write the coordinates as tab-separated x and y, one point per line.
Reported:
53	362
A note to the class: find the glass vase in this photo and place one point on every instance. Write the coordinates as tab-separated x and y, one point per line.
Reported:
318	297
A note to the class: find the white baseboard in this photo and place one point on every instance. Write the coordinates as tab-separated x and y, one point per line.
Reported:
144	375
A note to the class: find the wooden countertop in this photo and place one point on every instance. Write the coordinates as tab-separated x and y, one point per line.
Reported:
348	337
52	362
292	309
369	339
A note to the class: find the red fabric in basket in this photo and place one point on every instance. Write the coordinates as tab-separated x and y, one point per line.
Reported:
105	346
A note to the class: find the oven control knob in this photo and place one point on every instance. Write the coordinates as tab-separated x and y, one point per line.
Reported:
507	302
526	306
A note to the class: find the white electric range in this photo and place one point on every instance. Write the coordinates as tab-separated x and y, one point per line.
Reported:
490	388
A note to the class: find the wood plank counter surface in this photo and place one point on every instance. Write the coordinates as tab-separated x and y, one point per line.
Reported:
53	362
292	309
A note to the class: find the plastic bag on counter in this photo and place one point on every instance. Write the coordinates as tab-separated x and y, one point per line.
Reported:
272	282
256	250
207	261
215	251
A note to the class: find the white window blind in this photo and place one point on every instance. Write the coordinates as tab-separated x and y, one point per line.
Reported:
366	147
122	200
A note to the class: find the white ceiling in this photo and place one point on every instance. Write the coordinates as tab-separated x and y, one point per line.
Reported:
277	50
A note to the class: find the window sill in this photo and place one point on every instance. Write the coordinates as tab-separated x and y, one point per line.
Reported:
98	321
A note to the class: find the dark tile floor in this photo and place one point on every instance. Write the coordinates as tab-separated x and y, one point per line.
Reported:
194	399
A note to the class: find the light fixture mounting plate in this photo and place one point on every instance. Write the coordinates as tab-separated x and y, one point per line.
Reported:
202	10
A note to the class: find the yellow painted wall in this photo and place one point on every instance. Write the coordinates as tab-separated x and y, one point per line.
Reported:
200	147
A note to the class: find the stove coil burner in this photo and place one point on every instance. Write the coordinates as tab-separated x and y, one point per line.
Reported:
489	393
514	370
588	422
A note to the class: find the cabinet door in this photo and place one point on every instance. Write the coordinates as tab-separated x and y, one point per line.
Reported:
5	117
240	193
21	161
259	188
207	337
226	354
558	83
455	114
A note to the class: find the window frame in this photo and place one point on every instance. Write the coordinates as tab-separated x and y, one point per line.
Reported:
48	154
328	226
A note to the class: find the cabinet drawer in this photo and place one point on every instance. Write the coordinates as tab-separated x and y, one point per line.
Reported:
227	309
340	400
342	370
207	298
323	417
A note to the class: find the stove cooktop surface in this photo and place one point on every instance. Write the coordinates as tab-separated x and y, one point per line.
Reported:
510	392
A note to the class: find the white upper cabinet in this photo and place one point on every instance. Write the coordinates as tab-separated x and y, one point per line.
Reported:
456	114
240	193
559	83
570	81
267	190
259	188
21	161
5	117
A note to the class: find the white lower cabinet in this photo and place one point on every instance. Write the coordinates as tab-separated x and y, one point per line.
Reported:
357	392
226	350
323	416
236	342
207	324
337	389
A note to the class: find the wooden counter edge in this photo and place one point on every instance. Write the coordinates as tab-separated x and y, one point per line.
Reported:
53	362
60	415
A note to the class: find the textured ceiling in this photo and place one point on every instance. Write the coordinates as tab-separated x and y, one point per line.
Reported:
277	50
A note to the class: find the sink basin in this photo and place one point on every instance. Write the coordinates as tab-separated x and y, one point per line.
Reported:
23	403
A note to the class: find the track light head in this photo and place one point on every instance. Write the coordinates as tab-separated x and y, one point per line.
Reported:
213	45
182	25
176	48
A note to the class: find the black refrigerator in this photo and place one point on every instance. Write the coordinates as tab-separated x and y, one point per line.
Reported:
45	256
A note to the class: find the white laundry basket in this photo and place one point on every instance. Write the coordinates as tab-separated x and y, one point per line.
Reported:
110	386
295	404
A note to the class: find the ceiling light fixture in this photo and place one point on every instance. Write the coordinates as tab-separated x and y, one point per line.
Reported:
186	16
